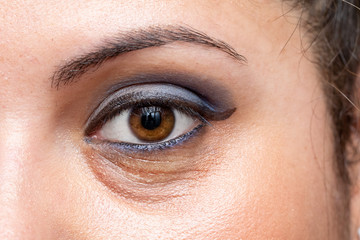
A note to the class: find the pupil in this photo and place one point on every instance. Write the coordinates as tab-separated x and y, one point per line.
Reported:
150	118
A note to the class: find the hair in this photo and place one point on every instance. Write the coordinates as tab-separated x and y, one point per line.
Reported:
333	28
334	32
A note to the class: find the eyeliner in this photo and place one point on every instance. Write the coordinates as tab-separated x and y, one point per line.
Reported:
159	94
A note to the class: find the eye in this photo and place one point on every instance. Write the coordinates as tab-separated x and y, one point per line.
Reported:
151	116
148	124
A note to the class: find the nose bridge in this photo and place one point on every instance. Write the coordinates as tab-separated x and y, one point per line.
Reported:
22	123
18	213
12	211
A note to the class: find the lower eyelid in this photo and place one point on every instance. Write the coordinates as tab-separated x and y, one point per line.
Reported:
147	189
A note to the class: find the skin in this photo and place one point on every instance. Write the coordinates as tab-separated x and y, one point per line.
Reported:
266	172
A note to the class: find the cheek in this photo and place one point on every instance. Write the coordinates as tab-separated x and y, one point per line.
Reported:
269	183
278	179
285	168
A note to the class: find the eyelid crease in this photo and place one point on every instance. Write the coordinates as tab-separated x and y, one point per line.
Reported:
214	92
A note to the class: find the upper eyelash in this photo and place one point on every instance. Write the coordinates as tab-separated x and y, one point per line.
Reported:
196	107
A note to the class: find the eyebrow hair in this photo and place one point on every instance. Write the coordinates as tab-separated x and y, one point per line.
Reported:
132	41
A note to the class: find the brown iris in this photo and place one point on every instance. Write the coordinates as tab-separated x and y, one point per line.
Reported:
152	123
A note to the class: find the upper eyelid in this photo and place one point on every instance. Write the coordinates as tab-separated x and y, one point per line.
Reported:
214	92
207	88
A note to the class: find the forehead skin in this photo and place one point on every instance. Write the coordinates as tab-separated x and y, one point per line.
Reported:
276	166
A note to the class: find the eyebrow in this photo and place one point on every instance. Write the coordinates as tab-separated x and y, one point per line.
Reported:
135	40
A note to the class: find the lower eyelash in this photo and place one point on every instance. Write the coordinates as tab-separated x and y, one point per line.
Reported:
123	146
